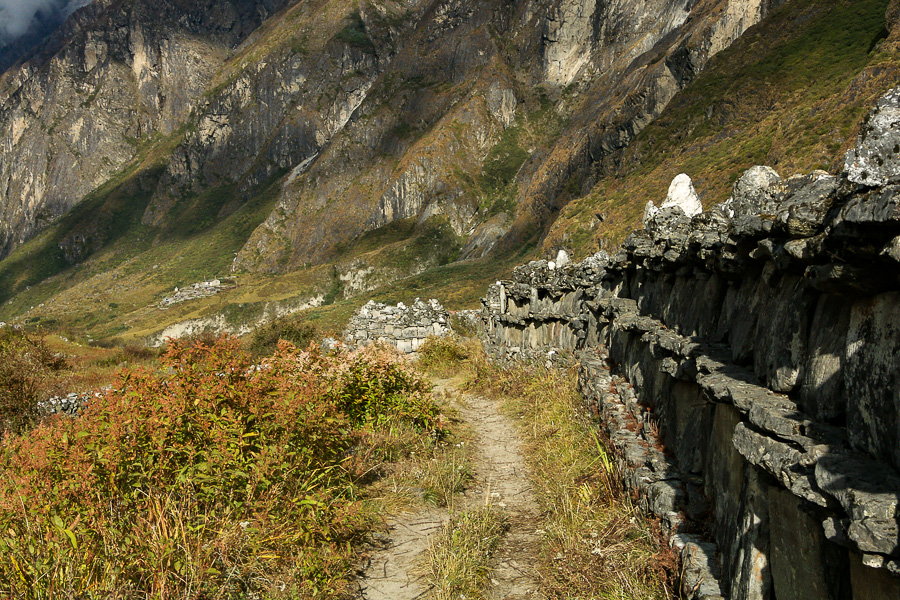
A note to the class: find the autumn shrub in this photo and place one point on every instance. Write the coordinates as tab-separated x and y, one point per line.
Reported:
27	368
375	386
207	477
442	355
265	338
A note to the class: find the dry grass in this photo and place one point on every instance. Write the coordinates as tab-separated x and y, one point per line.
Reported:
410	469
596	544
459	557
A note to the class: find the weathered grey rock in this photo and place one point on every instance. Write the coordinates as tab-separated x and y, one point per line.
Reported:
701	571
805	205
875	161
871	374
752	192
864	488
650	211
804	564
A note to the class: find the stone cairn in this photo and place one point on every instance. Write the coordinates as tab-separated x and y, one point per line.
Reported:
404	327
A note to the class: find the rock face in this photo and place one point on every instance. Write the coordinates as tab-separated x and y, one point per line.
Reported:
405	327
757	342
112	78
365	114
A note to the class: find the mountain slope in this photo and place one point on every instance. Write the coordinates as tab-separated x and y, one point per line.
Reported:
790	94
350	146
78	112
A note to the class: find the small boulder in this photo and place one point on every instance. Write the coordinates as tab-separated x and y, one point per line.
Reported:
562	258
875	161
650	211
752	192
683	195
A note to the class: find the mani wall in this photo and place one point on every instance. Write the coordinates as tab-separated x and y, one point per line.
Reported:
404	327
745	362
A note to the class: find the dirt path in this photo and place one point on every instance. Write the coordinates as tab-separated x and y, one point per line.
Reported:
395	572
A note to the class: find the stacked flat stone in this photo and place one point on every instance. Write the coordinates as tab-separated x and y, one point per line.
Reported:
71	405
753	355
404	327
195	291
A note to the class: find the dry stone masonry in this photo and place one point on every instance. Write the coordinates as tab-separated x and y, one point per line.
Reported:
744	364
72	404
405	327
195	291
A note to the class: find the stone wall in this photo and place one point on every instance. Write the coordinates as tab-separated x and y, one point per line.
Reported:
744	363
405	327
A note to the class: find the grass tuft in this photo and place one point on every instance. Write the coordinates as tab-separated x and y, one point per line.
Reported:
459	557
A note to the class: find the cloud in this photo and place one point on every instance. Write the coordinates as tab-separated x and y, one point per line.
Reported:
17	16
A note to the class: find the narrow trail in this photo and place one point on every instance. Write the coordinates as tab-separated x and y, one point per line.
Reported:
397	570
501	472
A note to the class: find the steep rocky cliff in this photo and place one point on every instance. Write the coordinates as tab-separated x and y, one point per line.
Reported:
118	74
376	112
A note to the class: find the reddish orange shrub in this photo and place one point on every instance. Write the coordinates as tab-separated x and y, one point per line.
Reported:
207	477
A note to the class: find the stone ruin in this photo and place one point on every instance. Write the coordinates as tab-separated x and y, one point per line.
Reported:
195	291
404	327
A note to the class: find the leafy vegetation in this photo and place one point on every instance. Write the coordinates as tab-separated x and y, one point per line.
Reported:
207	477
354	34
27	368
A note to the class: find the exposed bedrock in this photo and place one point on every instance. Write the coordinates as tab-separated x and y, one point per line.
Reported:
743	362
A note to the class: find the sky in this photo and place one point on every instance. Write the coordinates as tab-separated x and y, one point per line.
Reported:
17	15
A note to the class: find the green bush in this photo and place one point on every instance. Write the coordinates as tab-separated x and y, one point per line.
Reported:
354	34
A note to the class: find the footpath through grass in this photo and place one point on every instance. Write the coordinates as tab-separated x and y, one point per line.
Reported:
595	543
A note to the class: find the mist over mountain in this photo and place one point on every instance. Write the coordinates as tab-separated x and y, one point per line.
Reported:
25	23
